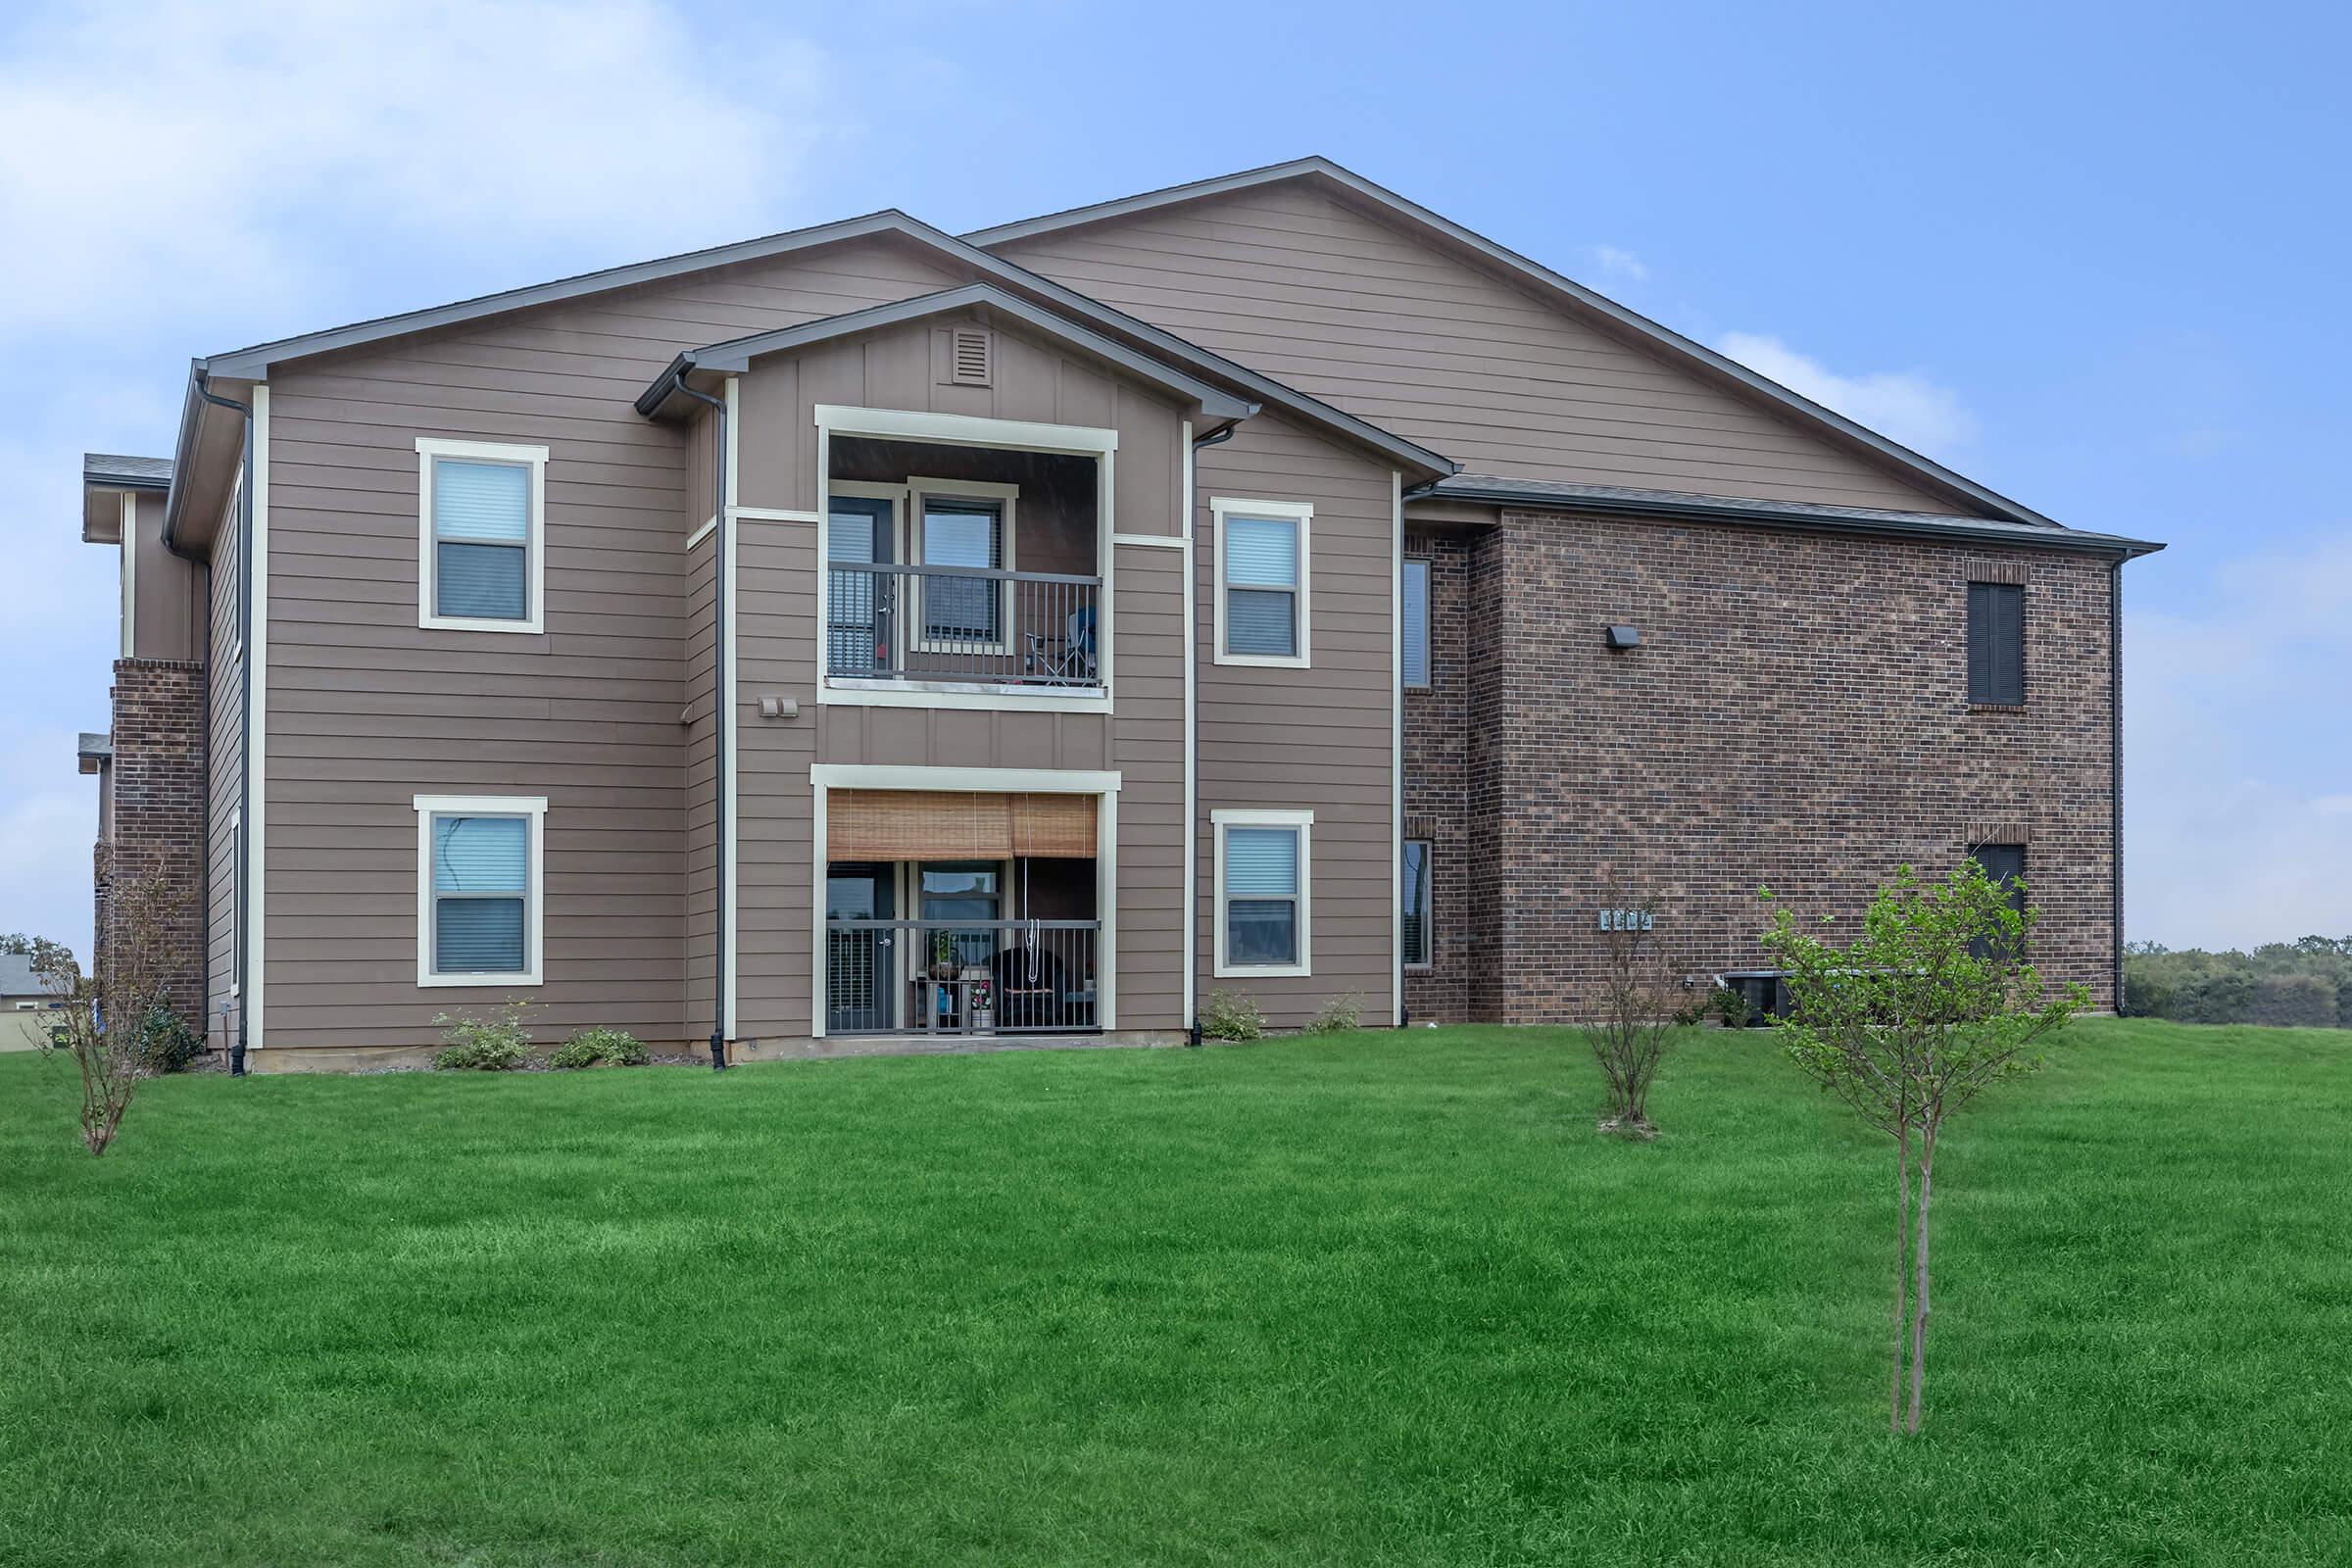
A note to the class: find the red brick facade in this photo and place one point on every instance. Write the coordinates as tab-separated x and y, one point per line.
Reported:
1796	715
156	814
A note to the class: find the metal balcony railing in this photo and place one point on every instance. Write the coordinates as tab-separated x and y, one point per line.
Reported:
892	622
960	977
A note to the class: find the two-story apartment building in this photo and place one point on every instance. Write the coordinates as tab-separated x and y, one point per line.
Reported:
868	634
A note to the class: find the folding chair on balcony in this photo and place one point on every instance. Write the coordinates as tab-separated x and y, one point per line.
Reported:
1071	662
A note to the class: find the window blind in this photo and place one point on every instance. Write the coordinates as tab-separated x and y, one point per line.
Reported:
1261	861
482	501
1416	623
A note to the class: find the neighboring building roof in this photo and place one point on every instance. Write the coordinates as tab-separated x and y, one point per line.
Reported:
16	977
1620	500
110	472
737	354
93	750
1545	282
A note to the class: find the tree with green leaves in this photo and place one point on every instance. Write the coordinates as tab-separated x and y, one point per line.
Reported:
43	953
1931	1003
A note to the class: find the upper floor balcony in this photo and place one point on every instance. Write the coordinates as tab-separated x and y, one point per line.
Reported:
956	568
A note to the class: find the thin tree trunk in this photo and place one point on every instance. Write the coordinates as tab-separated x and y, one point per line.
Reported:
1919	1315
1903	1256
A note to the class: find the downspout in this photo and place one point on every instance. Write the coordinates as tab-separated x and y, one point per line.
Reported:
2115	756
719	698
1191	716
243	958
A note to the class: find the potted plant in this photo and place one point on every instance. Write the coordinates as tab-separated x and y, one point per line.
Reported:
943	955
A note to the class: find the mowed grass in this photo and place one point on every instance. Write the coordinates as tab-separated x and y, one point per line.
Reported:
1367	1300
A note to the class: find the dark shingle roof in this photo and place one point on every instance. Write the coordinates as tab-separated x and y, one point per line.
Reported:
1623	499
137	473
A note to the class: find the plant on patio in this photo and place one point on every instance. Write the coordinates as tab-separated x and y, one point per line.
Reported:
1643	999
615	1048
1929	1004
1230	1015
498	1043
104	1021
167	1044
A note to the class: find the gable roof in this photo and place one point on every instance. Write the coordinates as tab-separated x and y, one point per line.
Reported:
1545	283
17	978
737	354
254	363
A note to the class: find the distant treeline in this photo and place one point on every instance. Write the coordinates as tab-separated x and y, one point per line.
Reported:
2305	983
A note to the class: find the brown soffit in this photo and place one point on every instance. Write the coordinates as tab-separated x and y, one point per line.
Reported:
1545	282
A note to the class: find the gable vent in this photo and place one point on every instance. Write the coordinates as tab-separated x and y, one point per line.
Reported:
971	356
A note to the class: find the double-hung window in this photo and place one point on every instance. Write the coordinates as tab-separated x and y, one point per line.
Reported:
1264	876
2004	865
1263	581
481	535
480	889
1416	623
1412	883
1996	644
966	525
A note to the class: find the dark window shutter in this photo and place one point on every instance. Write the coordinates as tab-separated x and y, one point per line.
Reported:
1996	643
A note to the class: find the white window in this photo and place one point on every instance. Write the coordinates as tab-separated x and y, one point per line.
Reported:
1416	623
1264	875
1413	887
481	900
962	523
481	533
1263	581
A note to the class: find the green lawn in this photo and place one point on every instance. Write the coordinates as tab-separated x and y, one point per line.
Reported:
1367	1300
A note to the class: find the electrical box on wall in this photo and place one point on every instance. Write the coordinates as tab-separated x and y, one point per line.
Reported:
1628	920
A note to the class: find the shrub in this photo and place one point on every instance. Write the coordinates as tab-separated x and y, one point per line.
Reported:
1731	1005
168	1045
1338	1015
1230	1015
499	1043
615	1048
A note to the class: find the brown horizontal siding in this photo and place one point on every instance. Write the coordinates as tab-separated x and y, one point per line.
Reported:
1318	737
1295	284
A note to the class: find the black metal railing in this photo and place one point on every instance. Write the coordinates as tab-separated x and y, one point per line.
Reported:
963	624
960	977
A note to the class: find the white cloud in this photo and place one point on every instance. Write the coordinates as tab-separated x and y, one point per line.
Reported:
1903	406
2233	832
164	153
1614	262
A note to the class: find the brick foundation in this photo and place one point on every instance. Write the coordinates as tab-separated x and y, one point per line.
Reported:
157	780
1795	716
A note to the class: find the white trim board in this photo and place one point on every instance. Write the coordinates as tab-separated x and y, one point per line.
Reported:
256	732
965	429
730	697
532	807
1396	751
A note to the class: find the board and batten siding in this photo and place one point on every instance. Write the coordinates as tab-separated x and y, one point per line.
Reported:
367	709
777	605
1315	293
1321	738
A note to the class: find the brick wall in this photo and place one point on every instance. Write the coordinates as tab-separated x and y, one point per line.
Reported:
157	778
1796	715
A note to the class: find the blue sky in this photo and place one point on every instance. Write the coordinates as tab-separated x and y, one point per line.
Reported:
2092	256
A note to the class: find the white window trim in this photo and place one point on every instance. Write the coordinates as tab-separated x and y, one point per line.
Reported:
1302	514
429	448
922	490
236	871
1304	822
533	807
1428	925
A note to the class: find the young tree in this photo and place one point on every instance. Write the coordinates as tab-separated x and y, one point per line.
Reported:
1642	997
1932	1001
104	1021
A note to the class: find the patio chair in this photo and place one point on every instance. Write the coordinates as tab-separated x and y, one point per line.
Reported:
1072	661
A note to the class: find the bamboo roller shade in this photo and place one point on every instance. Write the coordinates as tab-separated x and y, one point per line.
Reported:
953	825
